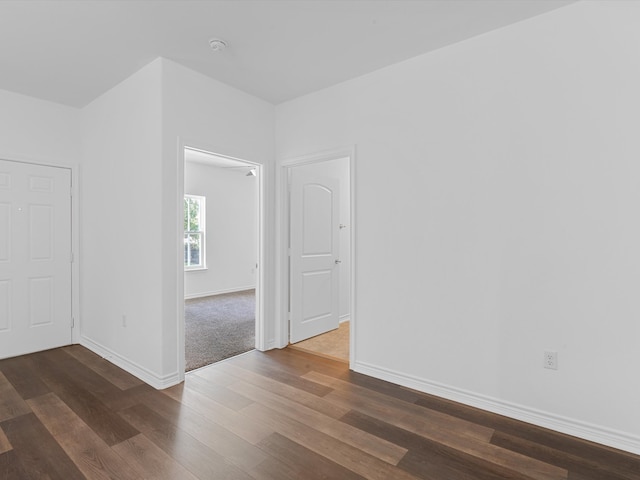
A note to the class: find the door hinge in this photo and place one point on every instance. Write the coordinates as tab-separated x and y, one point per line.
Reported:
72	257
73	322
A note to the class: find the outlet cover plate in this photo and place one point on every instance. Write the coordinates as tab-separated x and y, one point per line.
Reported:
551	360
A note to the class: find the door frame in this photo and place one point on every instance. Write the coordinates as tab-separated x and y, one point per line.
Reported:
260	277
75	320
283	241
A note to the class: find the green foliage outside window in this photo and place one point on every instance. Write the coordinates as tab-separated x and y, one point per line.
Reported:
193	231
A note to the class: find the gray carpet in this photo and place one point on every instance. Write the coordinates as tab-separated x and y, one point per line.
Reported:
218	327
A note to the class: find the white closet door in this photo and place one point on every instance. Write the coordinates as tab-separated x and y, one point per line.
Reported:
314	263
35	258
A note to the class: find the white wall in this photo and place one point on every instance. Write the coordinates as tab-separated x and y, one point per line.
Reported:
339	168
132	182
206	114
38	131
231	245
131	214
121	263
497	201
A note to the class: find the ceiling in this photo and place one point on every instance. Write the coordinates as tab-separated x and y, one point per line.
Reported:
71	51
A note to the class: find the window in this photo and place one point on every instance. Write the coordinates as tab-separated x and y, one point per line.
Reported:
194	215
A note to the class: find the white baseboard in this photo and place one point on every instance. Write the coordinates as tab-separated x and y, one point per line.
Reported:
218	292
595	433
156	381
344	318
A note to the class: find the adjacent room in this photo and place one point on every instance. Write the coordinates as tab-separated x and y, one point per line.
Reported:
475	246
220	257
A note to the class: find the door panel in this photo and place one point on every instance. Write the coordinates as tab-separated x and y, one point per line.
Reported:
5	231
41	232
317	217
314	243
316	294
5	305
40	293
35	258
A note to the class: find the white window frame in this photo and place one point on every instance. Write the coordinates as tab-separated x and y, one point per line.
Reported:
202	201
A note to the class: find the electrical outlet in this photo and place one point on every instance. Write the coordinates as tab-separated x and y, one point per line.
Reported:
551	360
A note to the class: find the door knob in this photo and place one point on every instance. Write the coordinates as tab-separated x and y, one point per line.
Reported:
338	262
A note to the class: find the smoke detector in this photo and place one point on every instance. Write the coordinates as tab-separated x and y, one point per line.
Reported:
217	45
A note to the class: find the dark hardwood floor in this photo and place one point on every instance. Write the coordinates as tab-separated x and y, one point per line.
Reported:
68	414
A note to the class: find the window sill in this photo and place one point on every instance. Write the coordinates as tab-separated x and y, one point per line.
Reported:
196	269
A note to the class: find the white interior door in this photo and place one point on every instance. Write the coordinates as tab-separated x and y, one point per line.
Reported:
35	258
314	261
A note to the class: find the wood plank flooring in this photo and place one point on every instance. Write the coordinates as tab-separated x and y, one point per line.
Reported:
282	415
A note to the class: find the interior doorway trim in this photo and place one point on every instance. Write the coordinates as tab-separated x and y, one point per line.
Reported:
260	277
283	250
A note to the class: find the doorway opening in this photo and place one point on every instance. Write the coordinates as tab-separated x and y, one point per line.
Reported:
318	226
221	256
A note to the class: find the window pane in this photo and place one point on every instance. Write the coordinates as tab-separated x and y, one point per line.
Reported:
192	249
194	215
194	224
186	214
